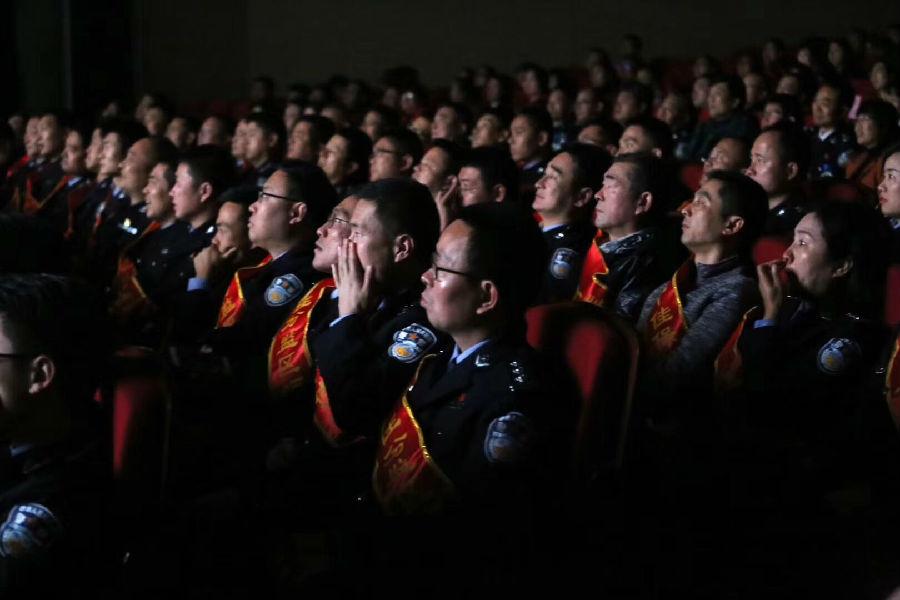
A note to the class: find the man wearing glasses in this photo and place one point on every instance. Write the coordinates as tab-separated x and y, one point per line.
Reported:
461	441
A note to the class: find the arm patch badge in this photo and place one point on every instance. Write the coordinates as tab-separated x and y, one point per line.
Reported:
411	342
838	355
283	289
562	263
28	530
508	438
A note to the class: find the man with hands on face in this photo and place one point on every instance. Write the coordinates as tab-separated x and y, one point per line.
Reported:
367	353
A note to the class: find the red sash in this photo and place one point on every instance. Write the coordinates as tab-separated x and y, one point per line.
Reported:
32	205
130	296
591	287
406	479
892	383
728	368
234	303
16	167
290	364
77	196
667	324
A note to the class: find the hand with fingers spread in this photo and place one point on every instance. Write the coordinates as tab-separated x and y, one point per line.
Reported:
771	287
209	262
448	201
355	283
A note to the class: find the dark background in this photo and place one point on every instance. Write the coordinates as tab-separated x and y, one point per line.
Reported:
77	54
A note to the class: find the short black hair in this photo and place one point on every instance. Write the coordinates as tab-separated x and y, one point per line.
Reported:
407	143
501	113
539	118
792	144
790	108
590	161
128	131
307	183
496	167
161	149
211	164
269	124
735	86
321	128
403	206
659	133
463	112
642	94
60	317
743	197
650	174
612	128
359	148
454	152
507	247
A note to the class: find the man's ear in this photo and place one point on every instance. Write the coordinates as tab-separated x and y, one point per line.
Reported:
272	140
404	247
406	163
352	167
297	213
503	135
490	297
543	139
584	196
206	192
644	203
498	192
793	171
41	374
733	225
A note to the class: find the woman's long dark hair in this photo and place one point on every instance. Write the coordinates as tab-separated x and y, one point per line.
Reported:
859	233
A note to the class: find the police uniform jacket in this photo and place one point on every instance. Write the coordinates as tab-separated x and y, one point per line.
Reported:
52	503
781	220
829	156
480	419
269	295
56	211
367	359
567	246
800	401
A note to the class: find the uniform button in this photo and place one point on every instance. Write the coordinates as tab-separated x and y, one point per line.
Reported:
439	434
360	499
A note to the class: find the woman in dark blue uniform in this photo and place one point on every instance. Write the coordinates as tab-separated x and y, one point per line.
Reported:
804	428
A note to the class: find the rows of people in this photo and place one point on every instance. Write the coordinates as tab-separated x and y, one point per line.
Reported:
338	296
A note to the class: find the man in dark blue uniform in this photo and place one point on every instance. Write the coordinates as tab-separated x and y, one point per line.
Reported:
564	199
53	491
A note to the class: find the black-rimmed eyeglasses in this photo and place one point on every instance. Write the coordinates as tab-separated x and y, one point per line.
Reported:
435	270
261	193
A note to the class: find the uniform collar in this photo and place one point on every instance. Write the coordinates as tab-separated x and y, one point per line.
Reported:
458	357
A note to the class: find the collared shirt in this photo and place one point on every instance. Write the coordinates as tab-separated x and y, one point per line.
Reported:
458	357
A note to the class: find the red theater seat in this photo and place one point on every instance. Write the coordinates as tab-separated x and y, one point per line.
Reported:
596	355
769	248
140	417
691	174
892	299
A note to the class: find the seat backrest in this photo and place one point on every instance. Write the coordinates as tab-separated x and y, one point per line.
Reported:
769	248
691	174
597	354
141	407
892	296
